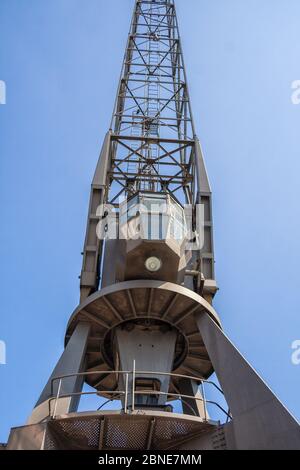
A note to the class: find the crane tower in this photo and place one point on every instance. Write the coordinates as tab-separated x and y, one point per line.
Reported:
145	337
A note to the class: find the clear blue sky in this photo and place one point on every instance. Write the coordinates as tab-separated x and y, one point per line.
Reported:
61	60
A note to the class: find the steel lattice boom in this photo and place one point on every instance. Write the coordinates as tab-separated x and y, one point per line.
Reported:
152	120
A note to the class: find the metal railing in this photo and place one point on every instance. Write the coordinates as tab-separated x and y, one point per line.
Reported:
132	392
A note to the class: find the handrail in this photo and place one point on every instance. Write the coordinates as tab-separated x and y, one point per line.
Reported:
139	392
124	372
75	394
126	393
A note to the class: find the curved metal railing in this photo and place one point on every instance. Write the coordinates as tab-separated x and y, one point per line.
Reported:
132	392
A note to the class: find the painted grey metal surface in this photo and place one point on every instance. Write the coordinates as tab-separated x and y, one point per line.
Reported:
207	262
72	360
149	350
27	437
191	406
92	252
260	421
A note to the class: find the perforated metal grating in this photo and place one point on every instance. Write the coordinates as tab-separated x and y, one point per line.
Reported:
168	431
73	434
120	432
130	433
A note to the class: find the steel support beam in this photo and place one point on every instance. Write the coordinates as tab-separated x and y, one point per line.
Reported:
92	252
72	361
192	406
260	421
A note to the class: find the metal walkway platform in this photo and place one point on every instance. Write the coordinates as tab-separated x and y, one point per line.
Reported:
139	430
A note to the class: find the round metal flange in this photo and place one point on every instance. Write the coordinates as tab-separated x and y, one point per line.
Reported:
157	302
